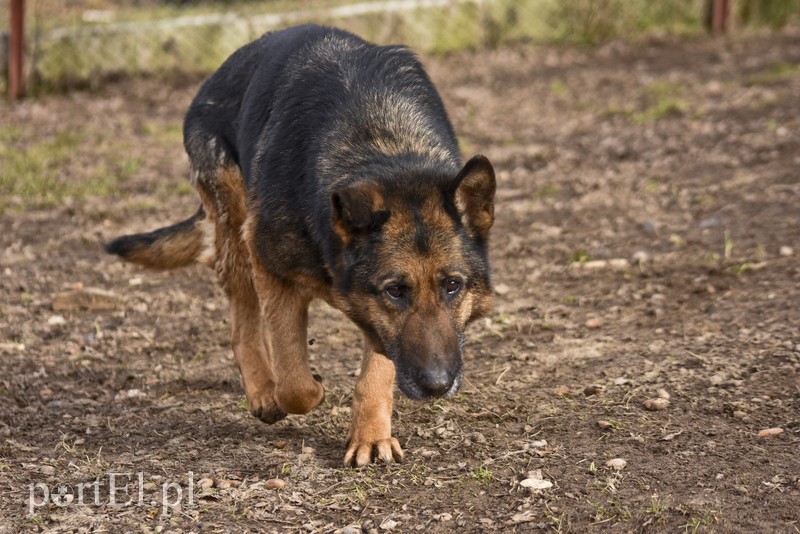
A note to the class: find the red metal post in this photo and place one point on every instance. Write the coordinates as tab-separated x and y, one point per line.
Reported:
16	45
719	15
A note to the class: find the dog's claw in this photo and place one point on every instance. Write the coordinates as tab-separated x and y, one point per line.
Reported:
386	451
269	416
265	409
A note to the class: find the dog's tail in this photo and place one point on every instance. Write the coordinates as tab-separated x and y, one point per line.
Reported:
174	246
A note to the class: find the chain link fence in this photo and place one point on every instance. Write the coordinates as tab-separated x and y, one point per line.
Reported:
86	42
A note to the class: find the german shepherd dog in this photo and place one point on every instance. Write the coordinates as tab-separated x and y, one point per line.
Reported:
328	168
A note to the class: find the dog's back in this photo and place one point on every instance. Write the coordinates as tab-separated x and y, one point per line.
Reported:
298	112
307	109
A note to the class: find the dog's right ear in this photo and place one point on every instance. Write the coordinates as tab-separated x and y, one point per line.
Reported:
356	210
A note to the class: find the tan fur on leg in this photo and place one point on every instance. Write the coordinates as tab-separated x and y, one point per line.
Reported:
285	312
252	356
225	200
284	308
371	430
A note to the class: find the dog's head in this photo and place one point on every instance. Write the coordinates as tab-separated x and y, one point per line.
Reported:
412	268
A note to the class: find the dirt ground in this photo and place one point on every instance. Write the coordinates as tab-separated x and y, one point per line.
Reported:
646	246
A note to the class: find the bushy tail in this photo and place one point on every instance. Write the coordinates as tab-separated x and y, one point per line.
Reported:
178	245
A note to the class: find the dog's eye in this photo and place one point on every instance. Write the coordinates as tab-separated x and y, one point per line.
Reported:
452	287
394	291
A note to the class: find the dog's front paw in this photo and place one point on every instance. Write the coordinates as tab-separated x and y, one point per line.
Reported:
361	452
263	407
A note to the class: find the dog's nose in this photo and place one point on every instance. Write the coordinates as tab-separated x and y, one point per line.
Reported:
436	382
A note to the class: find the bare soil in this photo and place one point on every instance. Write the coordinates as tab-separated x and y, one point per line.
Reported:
647	238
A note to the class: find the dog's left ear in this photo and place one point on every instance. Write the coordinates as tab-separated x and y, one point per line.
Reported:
474	189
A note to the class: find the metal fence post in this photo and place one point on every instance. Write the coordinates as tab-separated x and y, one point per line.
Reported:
16	46
719	17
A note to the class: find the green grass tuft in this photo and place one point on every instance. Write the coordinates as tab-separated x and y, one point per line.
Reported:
39	173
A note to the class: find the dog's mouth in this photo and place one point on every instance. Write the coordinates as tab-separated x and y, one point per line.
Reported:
419	389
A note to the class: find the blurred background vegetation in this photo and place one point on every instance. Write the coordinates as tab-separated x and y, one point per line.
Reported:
86	42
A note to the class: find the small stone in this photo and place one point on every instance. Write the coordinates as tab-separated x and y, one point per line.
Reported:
56	320
501	289
655	405
592	324
651	227
786	251
621	381
47	470
718	378
523	517
619	264
535	474
129	394
536	485
641	257
275	483
538	444
388	524
594	389
604	425
443	517
281	443
308	450
662	393
205	483
594	265
225	484
770	432
616	463
535	481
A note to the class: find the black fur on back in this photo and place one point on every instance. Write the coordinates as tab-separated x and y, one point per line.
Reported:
307	110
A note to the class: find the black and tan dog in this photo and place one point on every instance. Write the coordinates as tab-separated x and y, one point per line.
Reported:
327	168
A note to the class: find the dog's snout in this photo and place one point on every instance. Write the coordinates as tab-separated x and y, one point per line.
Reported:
436	382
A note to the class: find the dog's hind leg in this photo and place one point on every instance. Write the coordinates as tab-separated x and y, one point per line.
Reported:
251	353
225	201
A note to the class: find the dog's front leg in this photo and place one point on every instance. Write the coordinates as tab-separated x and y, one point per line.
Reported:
370	436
